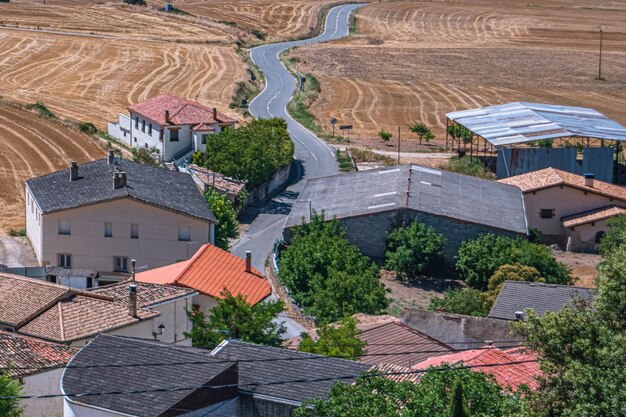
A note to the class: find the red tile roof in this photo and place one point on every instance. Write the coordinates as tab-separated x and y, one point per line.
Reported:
27	356
147	294
210	271
510	376
181	111
601	213
551	177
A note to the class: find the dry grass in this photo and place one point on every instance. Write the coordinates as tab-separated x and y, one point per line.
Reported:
415	61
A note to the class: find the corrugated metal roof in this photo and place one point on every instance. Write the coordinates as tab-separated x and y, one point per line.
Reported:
513	123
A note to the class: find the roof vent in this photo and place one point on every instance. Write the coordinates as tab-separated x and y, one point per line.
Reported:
519	315
589	180
132	300
74	171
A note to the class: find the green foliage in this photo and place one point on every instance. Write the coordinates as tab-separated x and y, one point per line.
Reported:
327	275
41	109
514	272
365	155
258	33
468	165
338	339
422	131
227	225
17	232
478	259
147	156
344	161
375	396
252	153
615	235
10	388
457	402
466	301
88	128
136	2
198	158
414	249
384	135
460	132
234	318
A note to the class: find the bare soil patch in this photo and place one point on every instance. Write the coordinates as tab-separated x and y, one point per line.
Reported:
583	266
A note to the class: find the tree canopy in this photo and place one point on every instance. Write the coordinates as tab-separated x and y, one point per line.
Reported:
414	249
10	388
422	131
337	339
234	318
327	275
466	301
227	225
251	153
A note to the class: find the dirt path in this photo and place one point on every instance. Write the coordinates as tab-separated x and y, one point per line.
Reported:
16	251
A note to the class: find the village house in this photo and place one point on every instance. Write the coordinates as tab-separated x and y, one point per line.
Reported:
60	314
568	209
371	203
175	126
102	214
38	366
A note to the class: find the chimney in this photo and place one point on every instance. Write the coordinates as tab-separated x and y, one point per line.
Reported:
110	158
248	261
119	180
489	343
133	262
74	171
123	177
519	315
215	113
132	300
589	180
167	116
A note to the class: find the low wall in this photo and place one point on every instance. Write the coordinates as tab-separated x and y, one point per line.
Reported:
279	180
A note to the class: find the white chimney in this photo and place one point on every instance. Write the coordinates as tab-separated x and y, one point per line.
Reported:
589	180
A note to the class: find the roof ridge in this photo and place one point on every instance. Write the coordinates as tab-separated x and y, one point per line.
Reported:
67	168
548	284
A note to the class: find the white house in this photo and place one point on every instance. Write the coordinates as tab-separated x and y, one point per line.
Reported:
106	212
175	126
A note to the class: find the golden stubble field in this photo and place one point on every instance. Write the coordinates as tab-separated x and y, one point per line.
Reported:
415	61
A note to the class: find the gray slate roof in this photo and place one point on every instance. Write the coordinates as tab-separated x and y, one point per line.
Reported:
160	187
287	365
441	193
540	297
190	368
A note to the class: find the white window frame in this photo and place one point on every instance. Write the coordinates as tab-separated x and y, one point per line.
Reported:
120	263
64	260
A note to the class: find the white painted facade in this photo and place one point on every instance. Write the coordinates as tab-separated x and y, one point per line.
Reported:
74	409
164	237
47	382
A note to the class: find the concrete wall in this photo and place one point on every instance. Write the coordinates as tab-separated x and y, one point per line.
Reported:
565	201
174	318
72	409
255	407
278	180
157	245
39	384
204	303
34	219
583	238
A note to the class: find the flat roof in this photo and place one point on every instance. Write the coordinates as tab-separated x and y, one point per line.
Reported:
415	187
513	123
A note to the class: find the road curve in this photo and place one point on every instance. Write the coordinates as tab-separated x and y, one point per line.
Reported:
316	156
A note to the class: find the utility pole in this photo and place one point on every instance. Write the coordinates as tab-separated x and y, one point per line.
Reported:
601	28
398	145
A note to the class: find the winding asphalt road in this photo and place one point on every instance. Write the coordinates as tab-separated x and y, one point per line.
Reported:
316	158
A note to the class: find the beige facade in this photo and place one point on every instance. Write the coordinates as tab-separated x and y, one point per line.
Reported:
43	383
95	236
585	237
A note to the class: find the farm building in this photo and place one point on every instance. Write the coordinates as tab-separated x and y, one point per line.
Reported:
175	126
371	203
516	138
567	209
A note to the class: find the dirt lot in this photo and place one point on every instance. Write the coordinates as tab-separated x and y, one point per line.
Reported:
414	61
582	265
31	146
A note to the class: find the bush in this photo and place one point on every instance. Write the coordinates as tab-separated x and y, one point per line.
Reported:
88	128
258	33
422	131
198	158
479	259
41	109
615	235
414	249
468	165
146	156
136	2
18	232
384	135
338	339
227	225
467	301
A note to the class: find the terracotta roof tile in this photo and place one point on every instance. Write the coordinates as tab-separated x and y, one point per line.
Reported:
592	216
402	372
182	112
509	376
28	356
551	177
209	271
147	294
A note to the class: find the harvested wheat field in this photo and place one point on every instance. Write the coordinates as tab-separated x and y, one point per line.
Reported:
31	145
415	61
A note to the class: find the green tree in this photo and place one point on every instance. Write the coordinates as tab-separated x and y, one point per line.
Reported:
514	272
227	225
10	388
251	153
468	165
198	158
457	402
466	301
422	131
414	249
234	318
479	258
339	339
459	132
147	156
327	275
615	235
384	135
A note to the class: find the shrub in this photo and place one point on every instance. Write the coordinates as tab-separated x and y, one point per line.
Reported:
41	109
514	272
198	158
18	232
615	235
467	301
338	339
414	249
478	259
422	131
146	156
227	225
384	135
88	128
258	33
468	165
136	2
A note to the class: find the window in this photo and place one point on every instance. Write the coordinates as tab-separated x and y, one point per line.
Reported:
64	227
136	122
204	138
65	260
546	213
120	263
134	231
108	229
150	129
124	132
599	236
184	233
143	125
173	135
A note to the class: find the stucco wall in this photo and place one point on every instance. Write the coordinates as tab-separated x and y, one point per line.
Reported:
583	238
71	409
204	302
174	318
34	221
157	245
141	139
39	384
